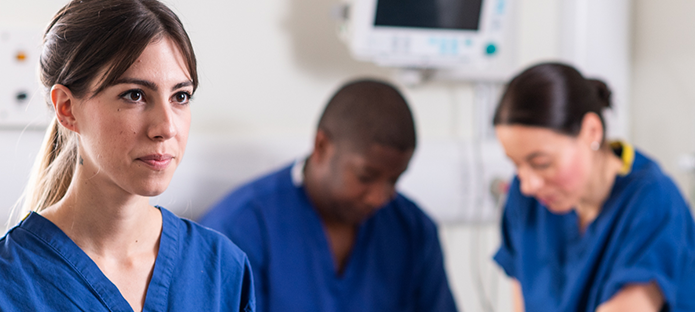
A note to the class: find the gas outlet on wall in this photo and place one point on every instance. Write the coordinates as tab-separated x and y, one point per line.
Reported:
22	102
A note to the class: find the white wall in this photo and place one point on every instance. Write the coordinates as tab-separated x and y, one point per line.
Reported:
19	147
663	93
268	67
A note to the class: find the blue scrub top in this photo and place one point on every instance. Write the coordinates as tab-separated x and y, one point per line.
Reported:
644	233
196	270
396	263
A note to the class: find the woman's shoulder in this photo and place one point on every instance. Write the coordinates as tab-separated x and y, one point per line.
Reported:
648	197
11	254
28	260
201	242
645	168
647	181
202	263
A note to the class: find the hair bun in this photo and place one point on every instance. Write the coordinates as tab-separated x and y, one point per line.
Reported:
604	93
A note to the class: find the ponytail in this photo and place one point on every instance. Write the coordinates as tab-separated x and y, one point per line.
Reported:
52	172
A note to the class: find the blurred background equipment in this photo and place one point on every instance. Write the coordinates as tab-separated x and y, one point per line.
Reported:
473	38
21	101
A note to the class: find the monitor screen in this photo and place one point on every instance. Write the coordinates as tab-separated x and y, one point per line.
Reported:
437	14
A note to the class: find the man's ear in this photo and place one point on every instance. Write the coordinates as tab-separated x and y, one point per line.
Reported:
63	104
322	146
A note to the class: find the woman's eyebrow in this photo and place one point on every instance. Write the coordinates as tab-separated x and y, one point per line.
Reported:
147	84
151	85
182	84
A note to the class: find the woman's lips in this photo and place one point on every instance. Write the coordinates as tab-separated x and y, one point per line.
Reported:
545	200
157	161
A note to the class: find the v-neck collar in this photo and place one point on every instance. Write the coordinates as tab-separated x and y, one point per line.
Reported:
328	260
107	292
327	257
158	289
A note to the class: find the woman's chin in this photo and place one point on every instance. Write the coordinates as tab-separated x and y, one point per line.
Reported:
153	190
559	209
151	194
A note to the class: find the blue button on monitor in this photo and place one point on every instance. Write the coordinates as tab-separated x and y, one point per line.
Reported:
491	49
500	7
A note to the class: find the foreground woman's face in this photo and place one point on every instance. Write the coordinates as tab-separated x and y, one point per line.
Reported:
551	167
133	134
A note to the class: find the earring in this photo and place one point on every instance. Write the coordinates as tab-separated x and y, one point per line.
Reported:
595	146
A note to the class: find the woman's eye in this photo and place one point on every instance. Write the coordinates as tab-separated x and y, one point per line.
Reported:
133	96
182	97
541	165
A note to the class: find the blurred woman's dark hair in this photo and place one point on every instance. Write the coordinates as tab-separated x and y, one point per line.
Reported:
553	96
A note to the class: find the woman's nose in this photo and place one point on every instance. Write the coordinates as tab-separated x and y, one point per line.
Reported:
530	182
163	125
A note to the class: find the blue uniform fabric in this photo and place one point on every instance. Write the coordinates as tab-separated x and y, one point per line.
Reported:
644	232
396	263
196	270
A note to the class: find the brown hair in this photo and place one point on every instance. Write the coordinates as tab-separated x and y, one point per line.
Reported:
553	96
85	41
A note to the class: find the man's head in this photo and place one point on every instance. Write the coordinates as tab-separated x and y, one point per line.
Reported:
364	141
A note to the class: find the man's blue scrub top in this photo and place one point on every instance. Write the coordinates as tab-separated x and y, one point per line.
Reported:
196	270
396	263
644	233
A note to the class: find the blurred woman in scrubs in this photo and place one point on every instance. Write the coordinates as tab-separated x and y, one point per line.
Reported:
589	225
119	75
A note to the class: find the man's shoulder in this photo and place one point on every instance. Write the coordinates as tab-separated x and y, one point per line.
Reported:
278	181
250	196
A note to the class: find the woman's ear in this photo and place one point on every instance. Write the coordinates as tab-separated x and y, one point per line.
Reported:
63	104
592	130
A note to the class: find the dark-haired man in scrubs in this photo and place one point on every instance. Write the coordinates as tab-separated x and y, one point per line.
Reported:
330	233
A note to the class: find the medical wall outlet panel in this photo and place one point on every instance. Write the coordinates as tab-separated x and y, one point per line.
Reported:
471	39
22	102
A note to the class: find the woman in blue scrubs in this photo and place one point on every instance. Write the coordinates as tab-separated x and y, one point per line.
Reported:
119	75
589	225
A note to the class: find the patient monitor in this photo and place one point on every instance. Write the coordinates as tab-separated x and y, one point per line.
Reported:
471	38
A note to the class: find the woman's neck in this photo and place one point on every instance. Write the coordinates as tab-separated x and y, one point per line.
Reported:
104	220
119	231
598	189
